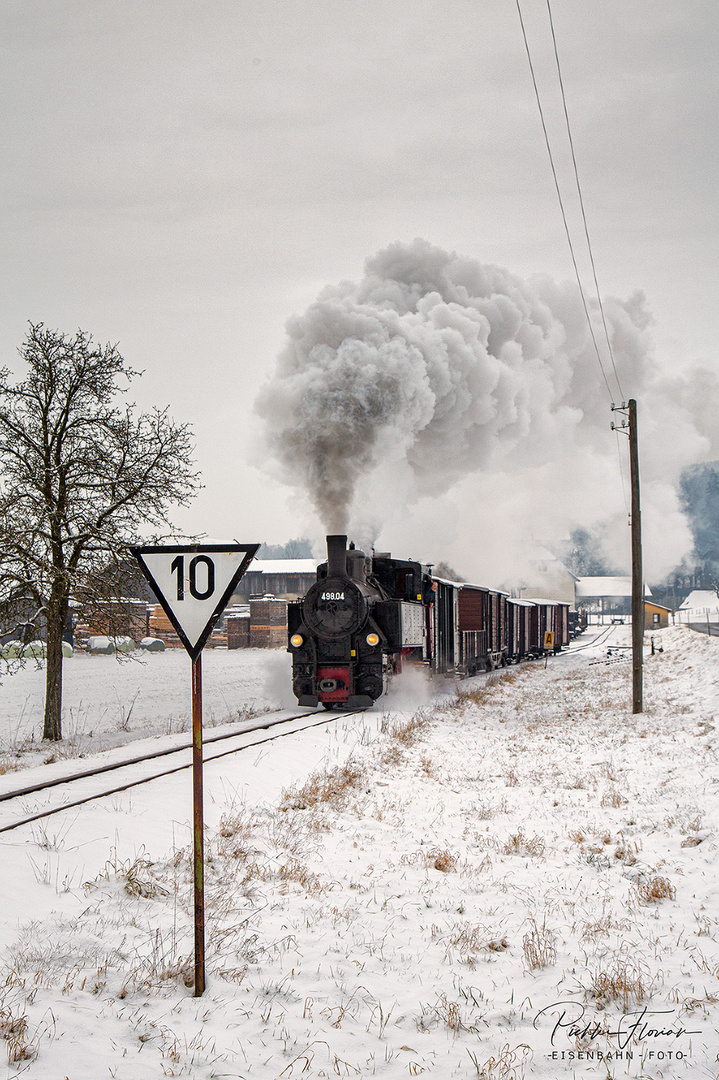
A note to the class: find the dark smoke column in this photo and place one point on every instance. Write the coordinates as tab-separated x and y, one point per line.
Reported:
432	367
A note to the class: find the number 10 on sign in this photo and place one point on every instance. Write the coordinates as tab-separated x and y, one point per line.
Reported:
193	585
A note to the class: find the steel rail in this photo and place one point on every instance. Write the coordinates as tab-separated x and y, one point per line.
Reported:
83	773
264	728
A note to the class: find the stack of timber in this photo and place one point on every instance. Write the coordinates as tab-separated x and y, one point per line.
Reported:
161	627
238	631
268	623
118	618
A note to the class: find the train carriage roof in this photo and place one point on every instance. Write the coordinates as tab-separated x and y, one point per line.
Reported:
469	585
547	603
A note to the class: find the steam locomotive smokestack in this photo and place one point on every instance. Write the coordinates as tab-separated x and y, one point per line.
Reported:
337	555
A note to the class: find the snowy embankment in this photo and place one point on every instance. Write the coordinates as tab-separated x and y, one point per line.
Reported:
516	882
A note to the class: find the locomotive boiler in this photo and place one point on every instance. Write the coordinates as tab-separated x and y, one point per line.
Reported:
355	625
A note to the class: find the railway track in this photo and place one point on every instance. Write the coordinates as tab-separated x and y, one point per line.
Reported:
81	786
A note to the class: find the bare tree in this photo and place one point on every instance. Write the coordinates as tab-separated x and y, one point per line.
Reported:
80	475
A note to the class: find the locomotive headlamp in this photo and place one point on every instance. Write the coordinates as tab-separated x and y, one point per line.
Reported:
296	640
372	639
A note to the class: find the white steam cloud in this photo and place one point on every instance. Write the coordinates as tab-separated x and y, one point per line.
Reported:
453	401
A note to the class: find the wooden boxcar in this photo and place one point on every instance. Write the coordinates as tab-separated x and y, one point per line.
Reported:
518	629
469	628
548	617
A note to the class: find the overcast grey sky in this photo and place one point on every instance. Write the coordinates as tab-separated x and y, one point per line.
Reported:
181	177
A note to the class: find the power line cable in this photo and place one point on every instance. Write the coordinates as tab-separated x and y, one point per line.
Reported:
581	201
561	203
589	245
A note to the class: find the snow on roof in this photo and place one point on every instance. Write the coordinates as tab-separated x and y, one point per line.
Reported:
607	586
283	566
703	599
468	585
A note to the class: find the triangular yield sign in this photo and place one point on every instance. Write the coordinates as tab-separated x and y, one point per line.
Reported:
193	584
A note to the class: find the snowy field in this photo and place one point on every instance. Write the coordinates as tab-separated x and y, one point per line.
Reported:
108	701
519	881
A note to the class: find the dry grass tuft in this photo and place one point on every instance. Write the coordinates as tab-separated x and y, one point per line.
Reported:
14	1030
482	694
624	980
443	860
520	844
235	835
604	926
22	1045
443	1011
136	875
478	695
540	946
626	852
613	797
332	787
427	766
484	811
439	858
293	870
710	967
409	731
507	1066
654	887
471	940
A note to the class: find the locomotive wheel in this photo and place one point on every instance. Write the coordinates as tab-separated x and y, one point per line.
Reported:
329	705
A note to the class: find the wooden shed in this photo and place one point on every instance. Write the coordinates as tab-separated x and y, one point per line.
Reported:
656	616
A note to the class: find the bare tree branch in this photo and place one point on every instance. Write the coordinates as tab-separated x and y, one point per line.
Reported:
81	476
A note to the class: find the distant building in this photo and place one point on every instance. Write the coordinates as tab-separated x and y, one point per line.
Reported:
284	578
607	595
700	610
701	600
656	616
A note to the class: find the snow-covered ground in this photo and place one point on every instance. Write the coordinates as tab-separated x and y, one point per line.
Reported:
110	700
518	881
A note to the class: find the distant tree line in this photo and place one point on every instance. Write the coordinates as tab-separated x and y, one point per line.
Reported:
699	497
582	554
699	494
293	549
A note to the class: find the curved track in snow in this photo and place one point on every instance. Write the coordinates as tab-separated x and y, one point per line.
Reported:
74	788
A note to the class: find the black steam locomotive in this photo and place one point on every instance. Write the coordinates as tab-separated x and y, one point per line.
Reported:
365	616
349	633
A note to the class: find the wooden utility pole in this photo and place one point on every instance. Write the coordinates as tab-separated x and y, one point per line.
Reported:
630	427
637	575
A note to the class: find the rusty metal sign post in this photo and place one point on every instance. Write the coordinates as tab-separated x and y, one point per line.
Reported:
193	583
198	827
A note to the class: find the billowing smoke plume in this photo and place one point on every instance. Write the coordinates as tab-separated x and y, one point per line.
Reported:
438	373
